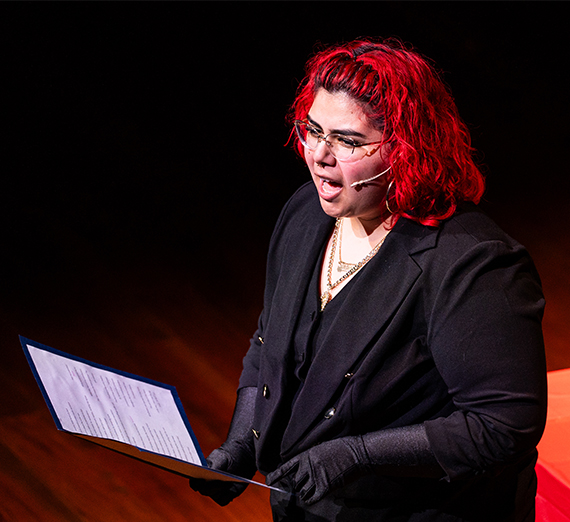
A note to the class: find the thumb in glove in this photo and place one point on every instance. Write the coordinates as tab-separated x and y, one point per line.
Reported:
317	471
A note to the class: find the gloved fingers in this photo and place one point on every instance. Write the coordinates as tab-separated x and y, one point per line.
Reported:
219	459
318	471
219	491
307	491
197	484
313	491
302	480
309	487
300	477
225	492
282	471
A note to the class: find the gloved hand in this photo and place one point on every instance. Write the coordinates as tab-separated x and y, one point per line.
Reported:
397	452
319	470
236	455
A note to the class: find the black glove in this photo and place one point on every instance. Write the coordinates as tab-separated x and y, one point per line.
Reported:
236	455
332	464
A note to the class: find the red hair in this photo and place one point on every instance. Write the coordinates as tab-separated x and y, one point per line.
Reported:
401	93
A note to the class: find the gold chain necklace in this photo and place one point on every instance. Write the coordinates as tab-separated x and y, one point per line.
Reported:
326	296
342	266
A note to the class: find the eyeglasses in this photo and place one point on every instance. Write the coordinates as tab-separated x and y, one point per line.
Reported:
341	147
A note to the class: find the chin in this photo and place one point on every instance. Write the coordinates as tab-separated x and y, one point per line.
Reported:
331	210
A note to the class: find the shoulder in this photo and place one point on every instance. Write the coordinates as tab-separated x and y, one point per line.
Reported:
469	229
470	233
469	242
302	210
472	223
304	203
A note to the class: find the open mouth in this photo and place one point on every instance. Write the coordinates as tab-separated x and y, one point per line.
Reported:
329	189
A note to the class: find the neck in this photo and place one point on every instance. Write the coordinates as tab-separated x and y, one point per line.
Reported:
366	227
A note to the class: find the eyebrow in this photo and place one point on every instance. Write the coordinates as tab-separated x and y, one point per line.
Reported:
342	132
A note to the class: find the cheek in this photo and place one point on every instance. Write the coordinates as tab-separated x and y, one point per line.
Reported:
355	172
309	160
365	170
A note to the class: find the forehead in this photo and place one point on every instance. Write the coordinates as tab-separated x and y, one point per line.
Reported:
339	111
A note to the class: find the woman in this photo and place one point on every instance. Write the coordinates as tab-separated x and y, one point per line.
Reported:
398	369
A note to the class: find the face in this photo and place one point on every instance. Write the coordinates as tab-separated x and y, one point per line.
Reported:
339	113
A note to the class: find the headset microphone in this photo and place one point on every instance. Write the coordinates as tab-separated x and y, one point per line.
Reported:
362	182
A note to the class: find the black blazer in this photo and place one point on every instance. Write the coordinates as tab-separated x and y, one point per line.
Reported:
441	327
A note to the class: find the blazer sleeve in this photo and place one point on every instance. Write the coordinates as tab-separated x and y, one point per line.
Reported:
250	371
486	340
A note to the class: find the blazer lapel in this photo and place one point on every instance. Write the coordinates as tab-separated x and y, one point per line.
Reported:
301	254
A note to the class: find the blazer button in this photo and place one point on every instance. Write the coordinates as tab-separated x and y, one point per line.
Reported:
348	375
265	391
256	433
329	413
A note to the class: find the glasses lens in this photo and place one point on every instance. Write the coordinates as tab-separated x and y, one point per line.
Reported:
340	147
308	135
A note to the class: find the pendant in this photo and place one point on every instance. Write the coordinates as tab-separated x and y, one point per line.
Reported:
325	298
343	267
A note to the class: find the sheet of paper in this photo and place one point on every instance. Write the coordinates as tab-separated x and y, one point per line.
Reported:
92	401
120	411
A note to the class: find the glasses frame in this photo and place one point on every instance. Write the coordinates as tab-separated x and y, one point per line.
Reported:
322	137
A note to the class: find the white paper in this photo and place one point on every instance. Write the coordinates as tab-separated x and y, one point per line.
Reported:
100	403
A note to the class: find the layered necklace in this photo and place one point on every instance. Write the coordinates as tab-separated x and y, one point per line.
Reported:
352	268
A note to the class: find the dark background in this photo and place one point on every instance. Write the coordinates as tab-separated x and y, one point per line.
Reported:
150	136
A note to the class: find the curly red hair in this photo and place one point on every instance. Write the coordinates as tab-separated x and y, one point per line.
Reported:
401	93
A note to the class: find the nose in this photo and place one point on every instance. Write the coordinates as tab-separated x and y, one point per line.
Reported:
322	154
